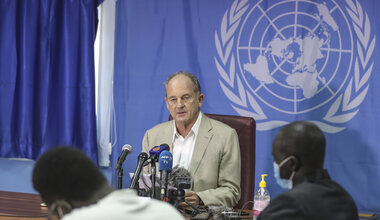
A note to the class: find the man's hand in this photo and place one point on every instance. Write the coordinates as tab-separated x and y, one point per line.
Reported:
192	198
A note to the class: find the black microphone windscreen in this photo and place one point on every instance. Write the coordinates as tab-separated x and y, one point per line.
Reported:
166	146
143	156
178	171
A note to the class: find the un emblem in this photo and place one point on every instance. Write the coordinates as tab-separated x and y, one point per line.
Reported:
306	58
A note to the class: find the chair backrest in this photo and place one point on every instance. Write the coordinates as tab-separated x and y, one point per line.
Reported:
246	130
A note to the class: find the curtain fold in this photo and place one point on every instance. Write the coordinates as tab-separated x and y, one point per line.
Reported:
104	56
47	76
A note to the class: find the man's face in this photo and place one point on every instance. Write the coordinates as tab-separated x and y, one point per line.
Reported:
181	100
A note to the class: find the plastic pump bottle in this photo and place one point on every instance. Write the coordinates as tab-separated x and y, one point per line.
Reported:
262	197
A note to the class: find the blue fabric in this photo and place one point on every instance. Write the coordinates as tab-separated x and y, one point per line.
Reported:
47	76
275	60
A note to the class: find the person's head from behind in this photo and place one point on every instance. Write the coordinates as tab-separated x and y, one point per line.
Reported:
183	97
298	148
66	178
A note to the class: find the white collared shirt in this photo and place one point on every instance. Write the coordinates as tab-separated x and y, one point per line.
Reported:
183	147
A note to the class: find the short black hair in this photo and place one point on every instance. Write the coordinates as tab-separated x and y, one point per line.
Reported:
305	140
66	173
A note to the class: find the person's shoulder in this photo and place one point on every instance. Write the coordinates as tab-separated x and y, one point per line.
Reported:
124	204
305	191
285	206
333	187
333	195
217	124
161	126
88	212
319	186
288	197
296	197
164	210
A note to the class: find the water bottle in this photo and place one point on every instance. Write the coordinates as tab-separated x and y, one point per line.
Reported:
262	198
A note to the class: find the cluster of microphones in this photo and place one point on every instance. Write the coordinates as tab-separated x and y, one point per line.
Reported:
173	180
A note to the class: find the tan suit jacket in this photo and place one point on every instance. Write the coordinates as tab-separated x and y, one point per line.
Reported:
215	164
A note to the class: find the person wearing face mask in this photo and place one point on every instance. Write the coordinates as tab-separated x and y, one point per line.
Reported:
298	151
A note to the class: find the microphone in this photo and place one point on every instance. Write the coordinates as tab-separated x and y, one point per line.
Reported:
180	178
155	153
165	164
141	159
124	152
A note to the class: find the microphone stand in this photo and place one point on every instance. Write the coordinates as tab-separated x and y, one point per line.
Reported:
179	196
120	178
153	179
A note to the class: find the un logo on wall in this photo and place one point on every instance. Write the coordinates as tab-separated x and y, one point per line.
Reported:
306	58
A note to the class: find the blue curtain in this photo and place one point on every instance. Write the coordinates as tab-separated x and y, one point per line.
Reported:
47	94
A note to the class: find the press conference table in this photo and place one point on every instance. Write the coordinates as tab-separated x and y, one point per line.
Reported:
27	206
21	206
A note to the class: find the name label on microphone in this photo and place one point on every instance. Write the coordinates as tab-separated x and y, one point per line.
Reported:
156	148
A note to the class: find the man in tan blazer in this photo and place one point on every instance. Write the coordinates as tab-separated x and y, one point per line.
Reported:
208	148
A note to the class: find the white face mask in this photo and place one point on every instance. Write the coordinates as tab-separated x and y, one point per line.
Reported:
284	183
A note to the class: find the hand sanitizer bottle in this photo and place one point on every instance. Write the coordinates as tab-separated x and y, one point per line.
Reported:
262	197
